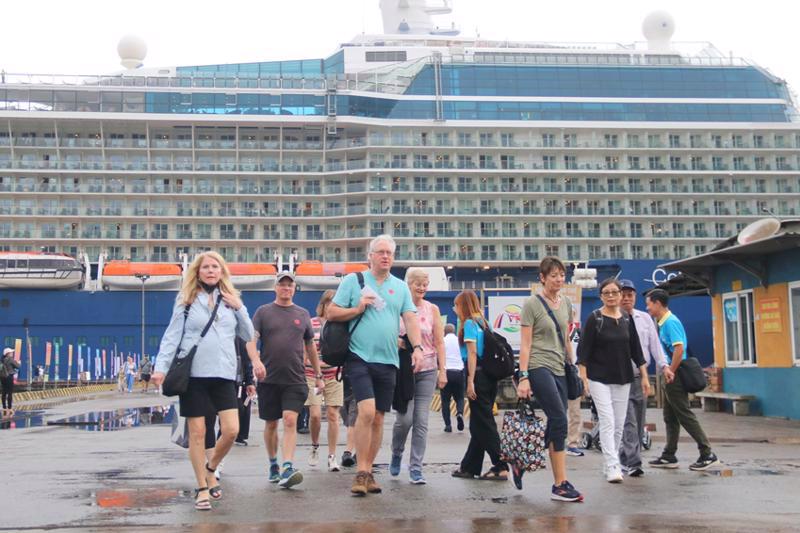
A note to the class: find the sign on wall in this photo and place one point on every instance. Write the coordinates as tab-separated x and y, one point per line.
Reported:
770	311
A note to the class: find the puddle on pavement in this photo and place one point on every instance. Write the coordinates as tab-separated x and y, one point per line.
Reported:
117	419
22	420
135	498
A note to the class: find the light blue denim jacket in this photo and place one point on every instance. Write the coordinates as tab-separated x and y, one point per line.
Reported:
216	353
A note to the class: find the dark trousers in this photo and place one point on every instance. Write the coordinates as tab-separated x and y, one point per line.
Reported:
455	390
550	392
244	415
483	435
677	413
630	449
8	391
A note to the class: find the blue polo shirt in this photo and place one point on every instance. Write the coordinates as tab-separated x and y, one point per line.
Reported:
671	334
472	332
375	338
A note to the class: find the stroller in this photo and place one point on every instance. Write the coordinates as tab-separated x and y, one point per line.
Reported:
591	439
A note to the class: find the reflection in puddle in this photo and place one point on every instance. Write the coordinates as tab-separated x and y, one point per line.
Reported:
23	419
135	498
118	418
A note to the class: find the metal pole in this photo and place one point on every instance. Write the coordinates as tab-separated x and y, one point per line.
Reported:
143	278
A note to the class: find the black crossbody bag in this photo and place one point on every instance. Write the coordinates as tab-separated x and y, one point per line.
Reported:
176	381
574	381
334	339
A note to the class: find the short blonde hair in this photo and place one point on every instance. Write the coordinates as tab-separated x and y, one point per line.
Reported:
415	274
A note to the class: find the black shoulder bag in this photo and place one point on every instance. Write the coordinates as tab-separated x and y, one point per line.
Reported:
574	381
334	339
177	379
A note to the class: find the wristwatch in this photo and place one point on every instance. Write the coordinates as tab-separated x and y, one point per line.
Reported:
319	376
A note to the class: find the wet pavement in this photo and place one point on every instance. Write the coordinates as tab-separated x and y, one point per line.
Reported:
136	480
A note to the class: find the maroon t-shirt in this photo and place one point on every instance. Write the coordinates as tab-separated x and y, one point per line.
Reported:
283	332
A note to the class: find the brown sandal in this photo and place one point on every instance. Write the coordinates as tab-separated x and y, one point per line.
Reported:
495	475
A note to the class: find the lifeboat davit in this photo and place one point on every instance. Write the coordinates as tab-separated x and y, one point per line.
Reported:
313	275
39	270
122	275
253	276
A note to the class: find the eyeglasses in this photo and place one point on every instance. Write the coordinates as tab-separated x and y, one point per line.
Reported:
610	293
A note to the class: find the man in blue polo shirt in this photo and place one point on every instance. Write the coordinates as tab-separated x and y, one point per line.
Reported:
677	412
371	367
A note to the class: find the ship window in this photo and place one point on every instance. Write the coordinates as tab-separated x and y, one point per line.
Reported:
375	57
2	264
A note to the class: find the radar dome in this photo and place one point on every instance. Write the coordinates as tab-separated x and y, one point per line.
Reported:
132	51
658	28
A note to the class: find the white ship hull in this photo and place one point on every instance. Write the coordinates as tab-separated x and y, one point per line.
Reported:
69	282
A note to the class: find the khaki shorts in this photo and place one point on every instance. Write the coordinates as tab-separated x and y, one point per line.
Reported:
333	393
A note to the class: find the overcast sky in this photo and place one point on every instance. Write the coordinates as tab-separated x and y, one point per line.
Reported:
80	36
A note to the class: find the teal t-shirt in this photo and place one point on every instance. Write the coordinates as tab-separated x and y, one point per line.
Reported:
671	333
472	332
375	338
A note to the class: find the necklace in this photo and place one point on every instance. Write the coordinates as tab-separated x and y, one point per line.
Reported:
555	301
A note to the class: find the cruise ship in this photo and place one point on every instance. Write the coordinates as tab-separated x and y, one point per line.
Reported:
470	152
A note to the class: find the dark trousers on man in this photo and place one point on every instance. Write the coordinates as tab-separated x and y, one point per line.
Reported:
677	413
244	415
7	386
630	448
483	434
455	390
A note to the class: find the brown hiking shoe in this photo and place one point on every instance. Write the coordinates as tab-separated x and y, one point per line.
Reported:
359	487
372	485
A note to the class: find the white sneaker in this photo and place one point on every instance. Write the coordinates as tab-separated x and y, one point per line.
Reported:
614	475
333	466
218	471
313	459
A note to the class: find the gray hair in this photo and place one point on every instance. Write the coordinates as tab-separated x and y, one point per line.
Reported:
415	274
385	237
449	328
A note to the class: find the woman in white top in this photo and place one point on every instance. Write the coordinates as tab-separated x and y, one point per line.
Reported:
455	379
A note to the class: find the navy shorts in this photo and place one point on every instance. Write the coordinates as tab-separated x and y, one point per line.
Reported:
371	381
274	399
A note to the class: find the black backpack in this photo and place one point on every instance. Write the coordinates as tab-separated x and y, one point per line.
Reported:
497	360
334	339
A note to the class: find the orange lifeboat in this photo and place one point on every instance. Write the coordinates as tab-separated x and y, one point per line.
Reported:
122	275
253	276
313	275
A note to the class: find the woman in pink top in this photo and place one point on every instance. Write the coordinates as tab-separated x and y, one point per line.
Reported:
427	376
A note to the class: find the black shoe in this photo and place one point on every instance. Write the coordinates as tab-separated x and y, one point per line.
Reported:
704	462
516	474
460	422
348	459
240	442
664	462
636	472
303	431
448	429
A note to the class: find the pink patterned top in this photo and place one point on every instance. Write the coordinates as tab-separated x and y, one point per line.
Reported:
426	322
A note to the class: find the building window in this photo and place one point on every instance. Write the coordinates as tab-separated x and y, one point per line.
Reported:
739	328
794	305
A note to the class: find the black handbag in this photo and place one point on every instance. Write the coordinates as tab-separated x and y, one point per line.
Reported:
334	339
574	381
691	374
176	381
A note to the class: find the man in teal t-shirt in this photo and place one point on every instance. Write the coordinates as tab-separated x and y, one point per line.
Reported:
371	367
677	411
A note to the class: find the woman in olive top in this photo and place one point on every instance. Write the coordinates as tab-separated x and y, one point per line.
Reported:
543	352
609	342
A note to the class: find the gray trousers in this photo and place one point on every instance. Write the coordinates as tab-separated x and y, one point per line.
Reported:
631	447
416	417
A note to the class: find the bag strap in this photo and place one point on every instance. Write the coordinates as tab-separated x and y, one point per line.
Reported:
360	277
555	321
211	318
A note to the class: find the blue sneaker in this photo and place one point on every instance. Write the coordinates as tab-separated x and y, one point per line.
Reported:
416	477
566	493
574	452
290	477
274	473
394	467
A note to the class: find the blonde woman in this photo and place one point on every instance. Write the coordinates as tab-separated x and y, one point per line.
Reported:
212	386
427	375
